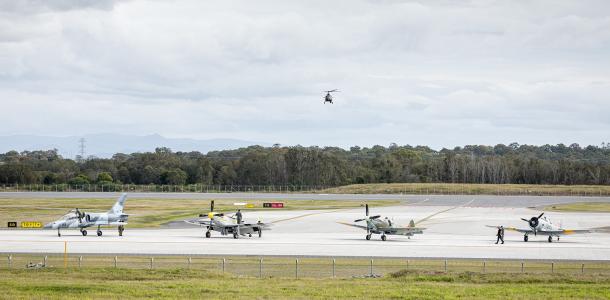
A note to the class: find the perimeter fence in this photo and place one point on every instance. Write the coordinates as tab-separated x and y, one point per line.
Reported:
310	267
405	189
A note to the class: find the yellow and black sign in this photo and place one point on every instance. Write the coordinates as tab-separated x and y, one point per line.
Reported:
12	224
250	205
29	224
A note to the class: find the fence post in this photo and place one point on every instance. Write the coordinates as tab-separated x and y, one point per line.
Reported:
115	261
260	268
445	266
80	261
483	266
407	264
334	268
552	267
152	259
296	268
582	269
45	260
189	263
522	267
223	265
10	261
371	267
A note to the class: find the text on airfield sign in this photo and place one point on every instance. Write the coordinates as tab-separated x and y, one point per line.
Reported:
273	205
31	225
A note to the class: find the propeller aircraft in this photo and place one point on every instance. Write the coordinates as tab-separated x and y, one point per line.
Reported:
543	226
81	220
384	226
226	225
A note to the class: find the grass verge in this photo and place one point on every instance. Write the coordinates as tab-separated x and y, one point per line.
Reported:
471	189
113	283
603	207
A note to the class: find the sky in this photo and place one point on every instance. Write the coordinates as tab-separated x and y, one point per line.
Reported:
437	73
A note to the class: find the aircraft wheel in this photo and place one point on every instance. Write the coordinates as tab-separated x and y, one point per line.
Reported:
249	234
260	233
234	235
550	239
383	237
208	234
99	233
368	237
58	234
121	229
84	232
525	238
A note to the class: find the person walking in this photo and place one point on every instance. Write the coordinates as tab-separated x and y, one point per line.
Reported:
500	234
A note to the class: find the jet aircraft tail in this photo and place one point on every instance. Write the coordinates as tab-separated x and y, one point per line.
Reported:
117	208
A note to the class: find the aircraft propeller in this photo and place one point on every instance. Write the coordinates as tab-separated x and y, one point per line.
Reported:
533	222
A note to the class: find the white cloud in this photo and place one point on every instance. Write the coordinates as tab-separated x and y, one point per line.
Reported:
430	72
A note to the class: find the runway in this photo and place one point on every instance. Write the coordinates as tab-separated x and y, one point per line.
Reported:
457	233
427	200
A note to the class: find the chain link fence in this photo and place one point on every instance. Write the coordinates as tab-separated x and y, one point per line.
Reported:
406	189
295	267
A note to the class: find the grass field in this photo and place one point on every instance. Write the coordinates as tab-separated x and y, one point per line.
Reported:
149	213
119	283
584	206
472	189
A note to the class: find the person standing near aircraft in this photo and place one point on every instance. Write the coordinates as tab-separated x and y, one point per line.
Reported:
500	234
238	216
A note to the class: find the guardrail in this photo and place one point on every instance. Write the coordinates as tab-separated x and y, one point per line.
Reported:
310	267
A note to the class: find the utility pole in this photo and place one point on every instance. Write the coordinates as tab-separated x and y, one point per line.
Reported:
81	145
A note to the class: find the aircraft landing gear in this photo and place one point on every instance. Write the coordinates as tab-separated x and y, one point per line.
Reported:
550	239
121	229
99	231
235	235
383	237
208	234
83	232
249	234
260	232
525	238
58	233
368	237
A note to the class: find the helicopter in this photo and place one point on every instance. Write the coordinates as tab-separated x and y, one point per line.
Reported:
329	97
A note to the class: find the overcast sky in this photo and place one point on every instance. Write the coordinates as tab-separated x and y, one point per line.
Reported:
438	73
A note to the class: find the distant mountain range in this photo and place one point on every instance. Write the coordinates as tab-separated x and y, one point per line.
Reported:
105	145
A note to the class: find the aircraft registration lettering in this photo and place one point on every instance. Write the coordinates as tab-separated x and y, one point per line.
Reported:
30	224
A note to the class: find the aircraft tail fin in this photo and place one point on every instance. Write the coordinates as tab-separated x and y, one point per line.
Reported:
117	208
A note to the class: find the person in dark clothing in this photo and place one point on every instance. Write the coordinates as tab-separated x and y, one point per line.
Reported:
500	234
238	216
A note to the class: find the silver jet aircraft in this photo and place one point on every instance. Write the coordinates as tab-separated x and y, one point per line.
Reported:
227	225
543	226
384	226
81	220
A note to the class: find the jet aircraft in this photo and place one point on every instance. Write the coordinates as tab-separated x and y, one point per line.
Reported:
384	226
226	225
81	220
543	226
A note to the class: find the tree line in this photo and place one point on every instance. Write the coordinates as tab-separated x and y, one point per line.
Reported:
319	166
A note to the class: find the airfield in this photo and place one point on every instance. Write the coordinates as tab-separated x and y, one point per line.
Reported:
455	229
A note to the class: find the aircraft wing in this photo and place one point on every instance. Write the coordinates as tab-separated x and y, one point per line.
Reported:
512	229
401	230
353	225
198	222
